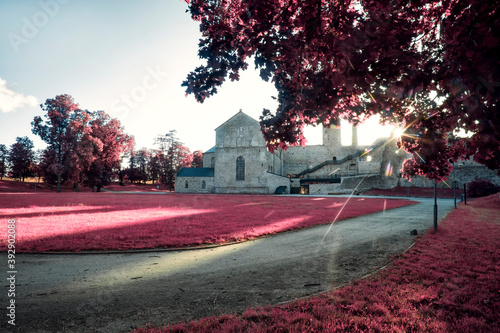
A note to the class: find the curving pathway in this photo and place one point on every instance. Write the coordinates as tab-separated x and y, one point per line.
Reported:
118	292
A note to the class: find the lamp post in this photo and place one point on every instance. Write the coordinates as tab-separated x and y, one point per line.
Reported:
460	179
454	187
435	206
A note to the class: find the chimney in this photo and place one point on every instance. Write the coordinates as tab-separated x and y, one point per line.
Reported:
354	136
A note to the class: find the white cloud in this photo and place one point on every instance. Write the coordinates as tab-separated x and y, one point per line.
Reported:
10	100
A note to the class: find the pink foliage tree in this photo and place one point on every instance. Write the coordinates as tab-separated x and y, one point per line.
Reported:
83	146
60	138
197	159
107	140
430	67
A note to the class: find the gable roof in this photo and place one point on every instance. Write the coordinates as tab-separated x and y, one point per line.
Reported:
240	113
196	172
211	150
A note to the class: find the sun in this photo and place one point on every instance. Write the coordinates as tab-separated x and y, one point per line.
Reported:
398	132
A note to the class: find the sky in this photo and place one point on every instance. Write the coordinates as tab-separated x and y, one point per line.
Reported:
125	57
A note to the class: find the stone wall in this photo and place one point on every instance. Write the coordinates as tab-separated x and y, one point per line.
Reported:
326	189
194	185
241	190
474	171
274	181
209	160
464	174
300	159
365	183
275	162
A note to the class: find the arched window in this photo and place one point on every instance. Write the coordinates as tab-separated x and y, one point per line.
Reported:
186	184
240	168
203	184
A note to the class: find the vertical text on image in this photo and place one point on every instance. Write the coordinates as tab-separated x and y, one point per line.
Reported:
11	271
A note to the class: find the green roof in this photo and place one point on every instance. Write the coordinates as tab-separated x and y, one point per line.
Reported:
196	172
211	150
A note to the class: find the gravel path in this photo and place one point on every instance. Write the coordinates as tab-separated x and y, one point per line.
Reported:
118	292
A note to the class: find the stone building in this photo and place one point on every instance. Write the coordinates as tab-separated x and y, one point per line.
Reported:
240	163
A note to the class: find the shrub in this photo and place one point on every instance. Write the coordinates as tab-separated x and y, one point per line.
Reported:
481	188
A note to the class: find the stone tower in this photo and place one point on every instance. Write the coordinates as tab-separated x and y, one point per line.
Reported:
332	136
354	142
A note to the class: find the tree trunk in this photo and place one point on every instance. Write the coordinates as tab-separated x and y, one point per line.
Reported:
58	183
77	187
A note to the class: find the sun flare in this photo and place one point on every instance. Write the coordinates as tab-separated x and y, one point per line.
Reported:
398	132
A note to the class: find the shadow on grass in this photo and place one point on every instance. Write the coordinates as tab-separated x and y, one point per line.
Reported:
141	221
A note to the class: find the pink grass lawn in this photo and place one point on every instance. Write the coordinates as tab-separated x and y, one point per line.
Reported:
448	282
107	221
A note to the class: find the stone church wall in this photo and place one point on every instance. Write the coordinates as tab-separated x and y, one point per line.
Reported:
240	136
209	160
239	131
194	185
255	167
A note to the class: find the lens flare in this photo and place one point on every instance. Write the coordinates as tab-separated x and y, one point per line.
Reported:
334	171
446	183
420	157
367	150
388	171
398	132
341	209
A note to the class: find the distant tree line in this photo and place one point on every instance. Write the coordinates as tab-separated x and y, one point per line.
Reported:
160	165
85	147
21	158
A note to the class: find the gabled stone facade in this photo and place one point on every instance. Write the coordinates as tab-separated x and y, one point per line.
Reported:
241	161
